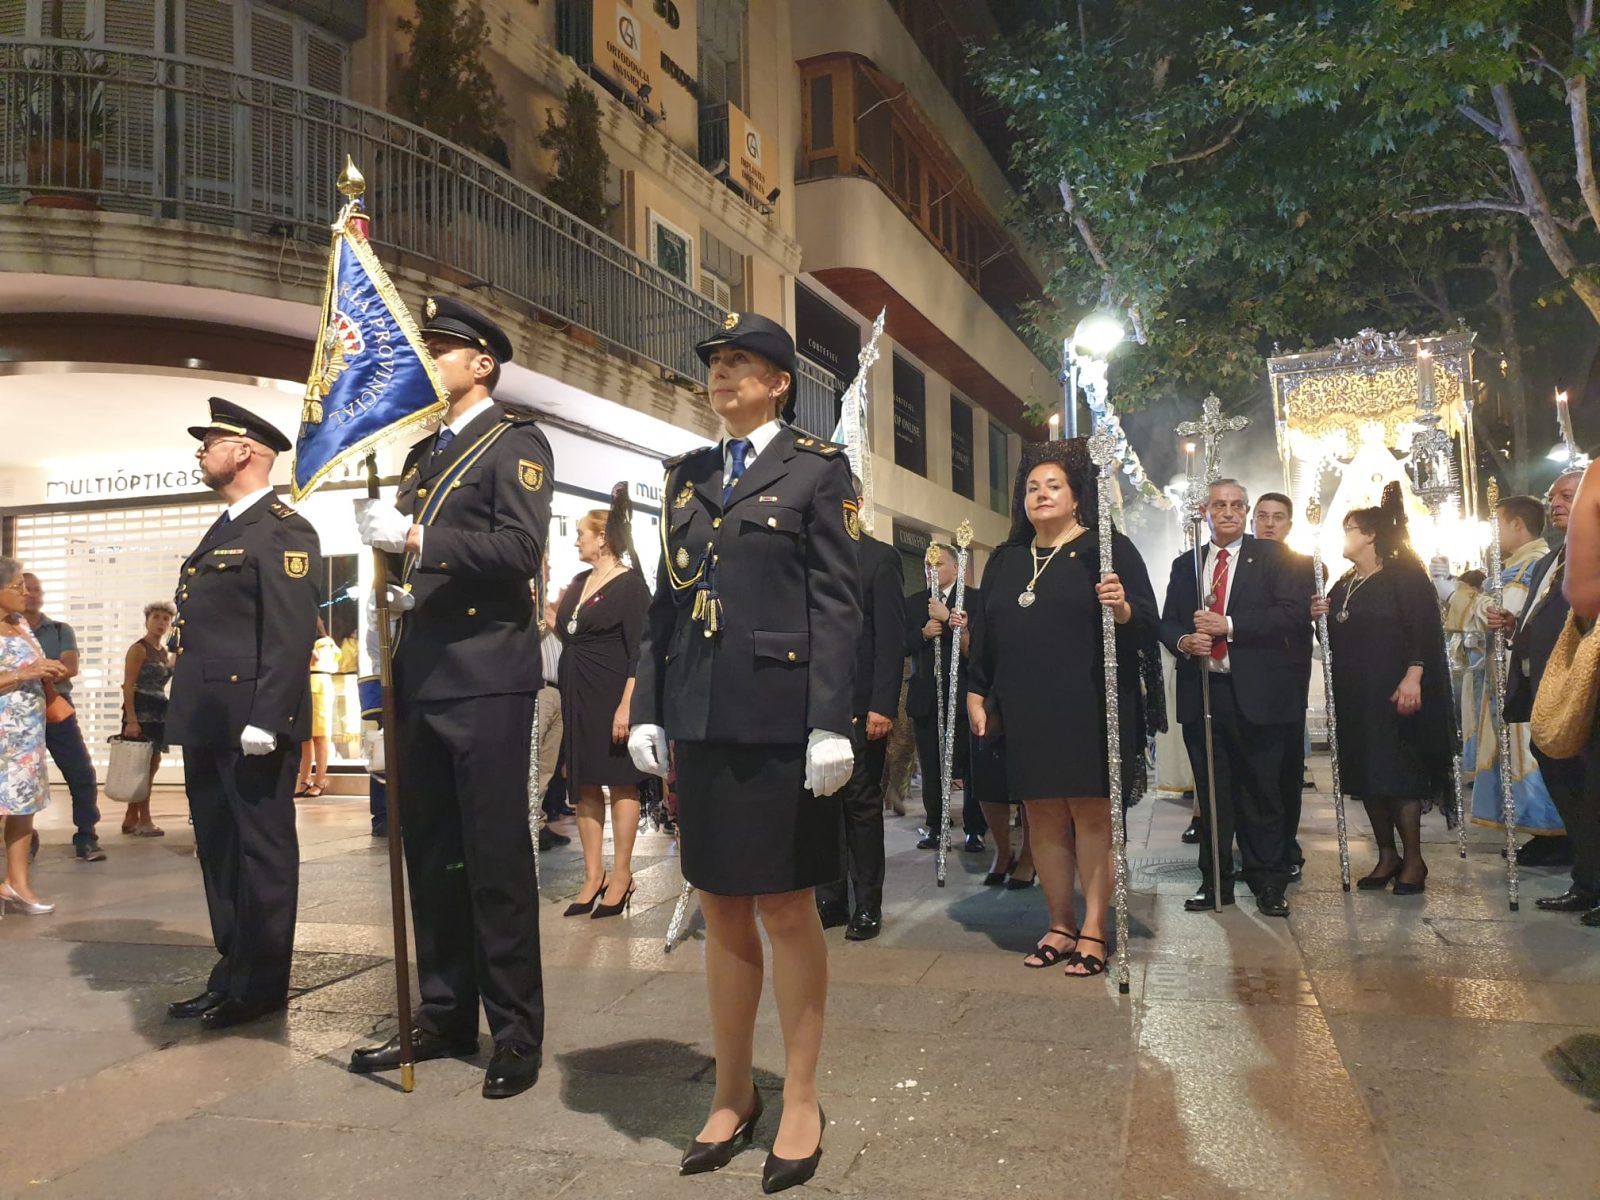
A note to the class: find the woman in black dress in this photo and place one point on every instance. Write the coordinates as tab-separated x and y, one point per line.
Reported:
1038	673
1391	688
747	665
599	621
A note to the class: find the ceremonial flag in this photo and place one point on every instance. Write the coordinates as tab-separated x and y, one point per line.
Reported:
852	431
371	379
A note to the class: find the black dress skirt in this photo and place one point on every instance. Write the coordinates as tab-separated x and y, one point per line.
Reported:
1042	667
1391	621
599	645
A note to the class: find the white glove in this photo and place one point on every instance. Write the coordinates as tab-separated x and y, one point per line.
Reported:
1439	567
382	525
647	746
1446	588
829	761
400	601
253	741
372	745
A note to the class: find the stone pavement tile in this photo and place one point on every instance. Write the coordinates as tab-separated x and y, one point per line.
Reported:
107	964
309	970
208	1156
1384	989
1510	1137
1000	972
1372	1045
1244	985
1464	962
1221	1123
370	992
1288	1040
41	1059
345	937
154	930
74	1006
63	1129
872	962
604	1179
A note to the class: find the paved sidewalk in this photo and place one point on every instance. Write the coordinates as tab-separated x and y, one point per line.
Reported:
1371	1046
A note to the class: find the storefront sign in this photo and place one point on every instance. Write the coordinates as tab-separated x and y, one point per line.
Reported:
121	483
912	541
626	46
822	333
960	447
910	418
745	150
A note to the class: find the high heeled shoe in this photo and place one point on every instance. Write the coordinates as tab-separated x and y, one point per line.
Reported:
1402	888
996	878
702	1157
578	907
10	899
780	1174
611	910
1375	882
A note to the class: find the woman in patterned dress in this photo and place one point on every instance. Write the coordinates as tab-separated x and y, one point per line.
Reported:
24	789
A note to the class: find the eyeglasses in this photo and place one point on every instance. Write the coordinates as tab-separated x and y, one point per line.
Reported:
206	446
16	585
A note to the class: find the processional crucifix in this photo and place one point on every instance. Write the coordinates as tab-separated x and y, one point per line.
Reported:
1210	428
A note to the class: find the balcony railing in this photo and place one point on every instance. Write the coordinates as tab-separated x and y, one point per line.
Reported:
169	137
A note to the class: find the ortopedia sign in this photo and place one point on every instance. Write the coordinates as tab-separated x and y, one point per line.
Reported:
746	147
626	45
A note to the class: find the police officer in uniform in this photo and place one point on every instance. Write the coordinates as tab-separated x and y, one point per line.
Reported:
746	665
468	530
241	705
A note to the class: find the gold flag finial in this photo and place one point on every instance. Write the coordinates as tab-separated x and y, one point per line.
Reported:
351	181
1494	494
964	534
1314	511
932	556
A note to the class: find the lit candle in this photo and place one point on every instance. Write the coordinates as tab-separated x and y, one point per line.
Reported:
1055	426
1425	377
1561	414
1188	459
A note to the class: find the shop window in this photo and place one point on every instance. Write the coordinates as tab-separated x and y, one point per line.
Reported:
721	52
960	447
722	270
910	417
671	248
999	468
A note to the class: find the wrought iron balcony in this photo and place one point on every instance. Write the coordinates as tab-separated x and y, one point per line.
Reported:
167	137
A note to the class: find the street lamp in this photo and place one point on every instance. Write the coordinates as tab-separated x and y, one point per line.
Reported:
1091	344
1098	334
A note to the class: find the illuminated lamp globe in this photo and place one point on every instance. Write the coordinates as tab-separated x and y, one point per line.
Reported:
1098	334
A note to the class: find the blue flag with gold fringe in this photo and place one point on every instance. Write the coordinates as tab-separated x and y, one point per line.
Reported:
371	379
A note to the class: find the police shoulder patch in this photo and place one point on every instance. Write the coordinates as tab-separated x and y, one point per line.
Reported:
296	564
280	510
530	474
852	520
817	446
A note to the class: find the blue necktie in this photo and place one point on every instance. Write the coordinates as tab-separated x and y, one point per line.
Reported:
442	442
738	448
222	522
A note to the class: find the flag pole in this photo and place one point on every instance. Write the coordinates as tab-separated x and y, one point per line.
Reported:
352	185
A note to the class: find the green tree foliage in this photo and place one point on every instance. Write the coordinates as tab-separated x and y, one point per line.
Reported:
443	85
1238	178
580	180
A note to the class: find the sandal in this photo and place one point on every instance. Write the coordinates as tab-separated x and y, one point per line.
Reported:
302	788
312	792
1092	964
1049	956
149	831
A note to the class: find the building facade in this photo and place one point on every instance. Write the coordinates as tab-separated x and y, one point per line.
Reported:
167	180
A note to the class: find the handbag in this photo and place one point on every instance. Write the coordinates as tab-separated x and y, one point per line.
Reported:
128	777
1563	709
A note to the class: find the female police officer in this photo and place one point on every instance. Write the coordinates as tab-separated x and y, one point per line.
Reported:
747	661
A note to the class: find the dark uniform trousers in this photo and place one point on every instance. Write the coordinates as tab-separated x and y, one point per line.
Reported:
930	758
243	808
463	756
1249	765
1580	815
247	613
464	770
861	831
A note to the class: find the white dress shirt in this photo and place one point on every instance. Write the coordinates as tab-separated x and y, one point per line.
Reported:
1223	665
759	438
238	508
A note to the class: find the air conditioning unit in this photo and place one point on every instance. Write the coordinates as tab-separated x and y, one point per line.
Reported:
715	290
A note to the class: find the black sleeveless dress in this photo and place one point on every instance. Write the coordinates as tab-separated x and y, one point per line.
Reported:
599	646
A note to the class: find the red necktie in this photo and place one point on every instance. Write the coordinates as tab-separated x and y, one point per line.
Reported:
1219	600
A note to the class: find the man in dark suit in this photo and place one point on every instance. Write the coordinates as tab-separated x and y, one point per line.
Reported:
879	662
930	619
1242	629
241	705
1273	519
470	519
1533	634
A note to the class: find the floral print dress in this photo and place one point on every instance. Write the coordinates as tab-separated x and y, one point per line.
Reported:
24	787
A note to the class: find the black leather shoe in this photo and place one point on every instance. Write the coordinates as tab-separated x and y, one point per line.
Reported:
702	1157
1295	871
424	1046
1270	903
864	926
237	1012
781	1174
1201	901
549	838
1570	900
973	844
196	1006
1191	835
833	914
1546	850
928	842
513	1070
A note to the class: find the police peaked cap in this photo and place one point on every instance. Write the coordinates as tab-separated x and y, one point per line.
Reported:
452	318
230	418
759	335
